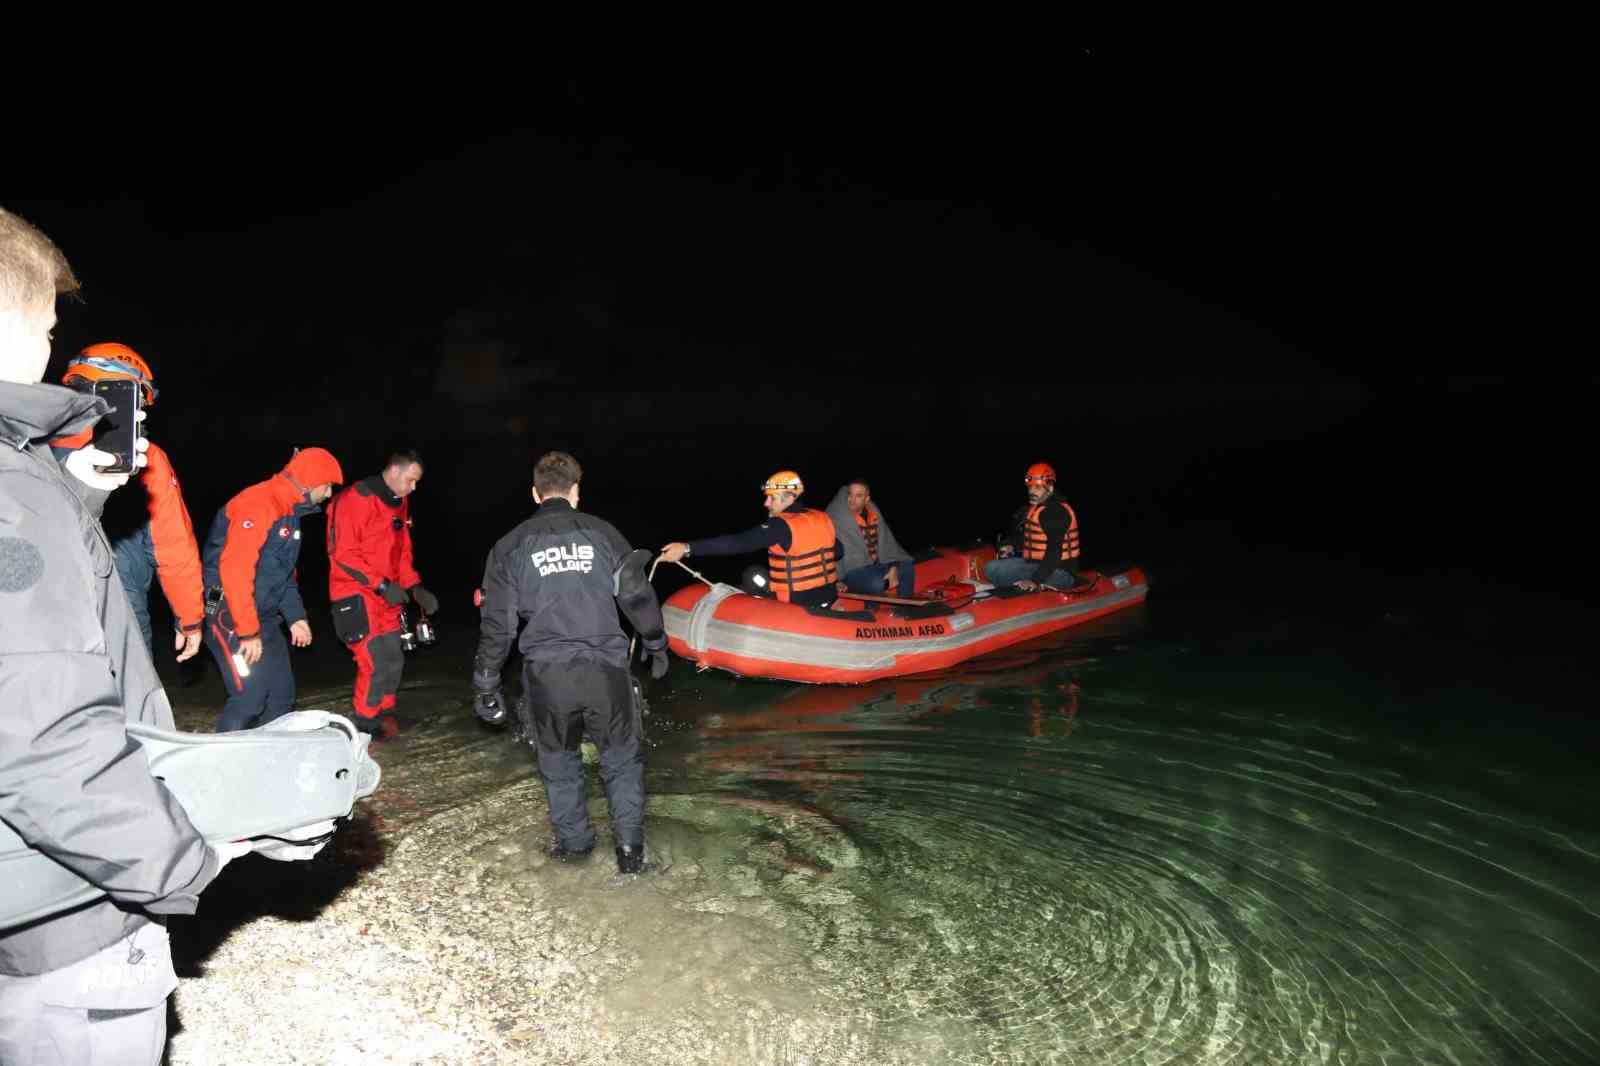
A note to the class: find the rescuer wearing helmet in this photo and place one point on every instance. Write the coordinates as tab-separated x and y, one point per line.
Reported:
150	531
802	546
1044	548
370	579
563	574
251	590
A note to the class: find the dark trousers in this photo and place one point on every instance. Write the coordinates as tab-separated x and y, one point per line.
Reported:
873	579
379	663
567	701
135	554
268	691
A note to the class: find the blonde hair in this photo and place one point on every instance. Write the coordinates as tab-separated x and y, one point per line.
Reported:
32	269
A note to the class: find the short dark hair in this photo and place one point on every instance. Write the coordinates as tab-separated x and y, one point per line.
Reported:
404	457
555	473
859	481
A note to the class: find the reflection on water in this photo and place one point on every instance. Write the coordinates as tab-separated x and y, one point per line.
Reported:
1094	853
1126	846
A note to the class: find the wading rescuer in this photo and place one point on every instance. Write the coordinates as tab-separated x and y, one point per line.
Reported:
149	528
370	580
251	590
802	546
1045	537
88	985
564	574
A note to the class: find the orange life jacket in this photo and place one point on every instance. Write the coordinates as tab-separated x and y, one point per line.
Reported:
808	563
867	520
1033	536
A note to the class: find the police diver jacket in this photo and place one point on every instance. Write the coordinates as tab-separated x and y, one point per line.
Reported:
558	571
74	672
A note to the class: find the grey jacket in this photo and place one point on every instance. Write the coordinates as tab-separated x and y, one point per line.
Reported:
855	545
73	672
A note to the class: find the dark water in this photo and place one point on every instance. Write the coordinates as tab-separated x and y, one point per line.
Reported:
1196	834
1208	830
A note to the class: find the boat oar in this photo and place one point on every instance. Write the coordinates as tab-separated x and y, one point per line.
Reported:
901	600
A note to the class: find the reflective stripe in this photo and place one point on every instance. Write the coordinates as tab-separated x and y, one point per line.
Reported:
808	562
848	653
1034	540
867	522
697	621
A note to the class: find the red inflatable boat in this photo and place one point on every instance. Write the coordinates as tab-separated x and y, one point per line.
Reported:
855	641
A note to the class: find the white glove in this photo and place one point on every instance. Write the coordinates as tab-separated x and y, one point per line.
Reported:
228	850
289	852
81	464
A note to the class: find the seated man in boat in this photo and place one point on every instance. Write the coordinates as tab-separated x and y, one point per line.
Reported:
801	544
1043	547
873	561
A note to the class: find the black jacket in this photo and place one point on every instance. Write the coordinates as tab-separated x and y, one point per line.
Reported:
770	533
557	571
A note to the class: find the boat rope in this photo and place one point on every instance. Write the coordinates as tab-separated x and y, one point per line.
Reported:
634	640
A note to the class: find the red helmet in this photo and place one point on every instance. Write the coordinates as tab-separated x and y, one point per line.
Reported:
1040	474
112	362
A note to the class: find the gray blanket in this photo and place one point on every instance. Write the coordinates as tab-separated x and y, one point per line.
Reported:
855	545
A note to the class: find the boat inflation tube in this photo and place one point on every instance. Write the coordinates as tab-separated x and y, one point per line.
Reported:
296	771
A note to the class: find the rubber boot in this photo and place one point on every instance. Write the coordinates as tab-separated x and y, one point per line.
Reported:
630	858
379	727
561	853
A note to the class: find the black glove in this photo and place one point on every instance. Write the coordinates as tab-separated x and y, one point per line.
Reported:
393	593
490	707
425	599
657	656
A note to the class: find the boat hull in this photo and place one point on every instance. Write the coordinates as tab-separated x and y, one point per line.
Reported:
723	628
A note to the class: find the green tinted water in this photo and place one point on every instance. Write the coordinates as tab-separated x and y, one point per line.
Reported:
1191	834
1146	844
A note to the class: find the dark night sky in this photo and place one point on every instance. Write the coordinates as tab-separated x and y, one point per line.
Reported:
1248	301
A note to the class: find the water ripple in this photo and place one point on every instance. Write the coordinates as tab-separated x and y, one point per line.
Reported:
1045	872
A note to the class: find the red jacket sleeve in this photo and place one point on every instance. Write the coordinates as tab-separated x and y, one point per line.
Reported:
250	516
177	555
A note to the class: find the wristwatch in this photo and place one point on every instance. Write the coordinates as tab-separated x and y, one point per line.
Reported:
687	550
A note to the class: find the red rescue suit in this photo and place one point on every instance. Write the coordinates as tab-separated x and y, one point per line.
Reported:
369	543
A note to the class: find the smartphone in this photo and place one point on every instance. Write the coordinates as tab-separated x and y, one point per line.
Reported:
117	431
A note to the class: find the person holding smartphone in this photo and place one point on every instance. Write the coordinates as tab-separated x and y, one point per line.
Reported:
91	983
149	528
248	565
